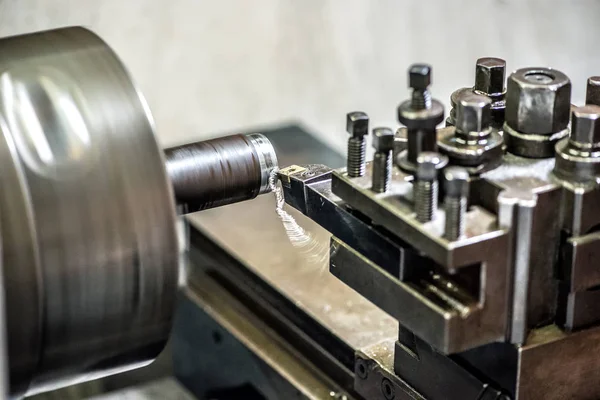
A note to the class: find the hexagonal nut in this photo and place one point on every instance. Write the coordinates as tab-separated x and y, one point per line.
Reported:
419	76
456	182
490	73
538	101
383	139
357	123
585	126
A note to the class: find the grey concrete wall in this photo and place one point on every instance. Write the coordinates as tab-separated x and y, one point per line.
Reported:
208	67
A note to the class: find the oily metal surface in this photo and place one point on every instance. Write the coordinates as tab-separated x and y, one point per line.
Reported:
253	232
87	215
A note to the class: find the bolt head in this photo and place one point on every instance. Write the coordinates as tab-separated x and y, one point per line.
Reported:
357	124
473	112
428	162
593	91
419	76
585	125
490	73
456	182
538	101
383	139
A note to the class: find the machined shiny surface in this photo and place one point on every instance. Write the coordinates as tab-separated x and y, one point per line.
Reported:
88	222
221	171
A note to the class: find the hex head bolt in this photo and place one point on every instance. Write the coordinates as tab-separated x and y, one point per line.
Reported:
578	157
585	128
490	76
419	79
592	93
383	143
455	202
426	184
421	114
357	125
473	117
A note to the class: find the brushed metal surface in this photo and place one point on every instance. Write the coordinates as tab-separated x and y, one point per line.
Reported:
87	214
300	273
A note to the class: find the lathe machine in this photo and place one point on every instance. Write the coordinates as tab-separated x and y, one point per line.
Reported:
470	250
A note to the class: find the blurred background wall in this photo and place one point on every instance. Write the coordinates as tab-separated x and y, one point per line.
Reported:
214	67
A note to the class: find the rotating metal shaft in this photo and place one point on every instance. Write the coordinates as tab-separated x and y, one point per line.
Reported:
220	171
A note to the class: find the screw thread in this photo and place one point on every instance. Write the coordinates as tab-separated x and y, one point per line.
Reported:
421	99
382	171
356	157
426	199
456	208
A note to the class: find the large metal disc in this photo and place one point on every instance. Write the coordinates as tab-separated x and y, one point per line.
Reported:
86	213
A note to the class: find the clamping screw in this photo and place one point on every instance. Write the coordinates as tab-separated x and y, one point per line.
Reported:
383	143
455	201
419	79
426	185
357	125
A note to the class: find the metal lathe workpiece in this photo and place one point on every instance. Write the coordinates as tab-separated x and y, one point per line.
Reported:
220	171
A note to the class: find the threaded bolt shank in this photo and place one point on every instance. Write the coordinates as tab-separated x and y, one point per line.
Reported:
383	143
426	200
382	172
356	157
426	185
455	202
456	208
